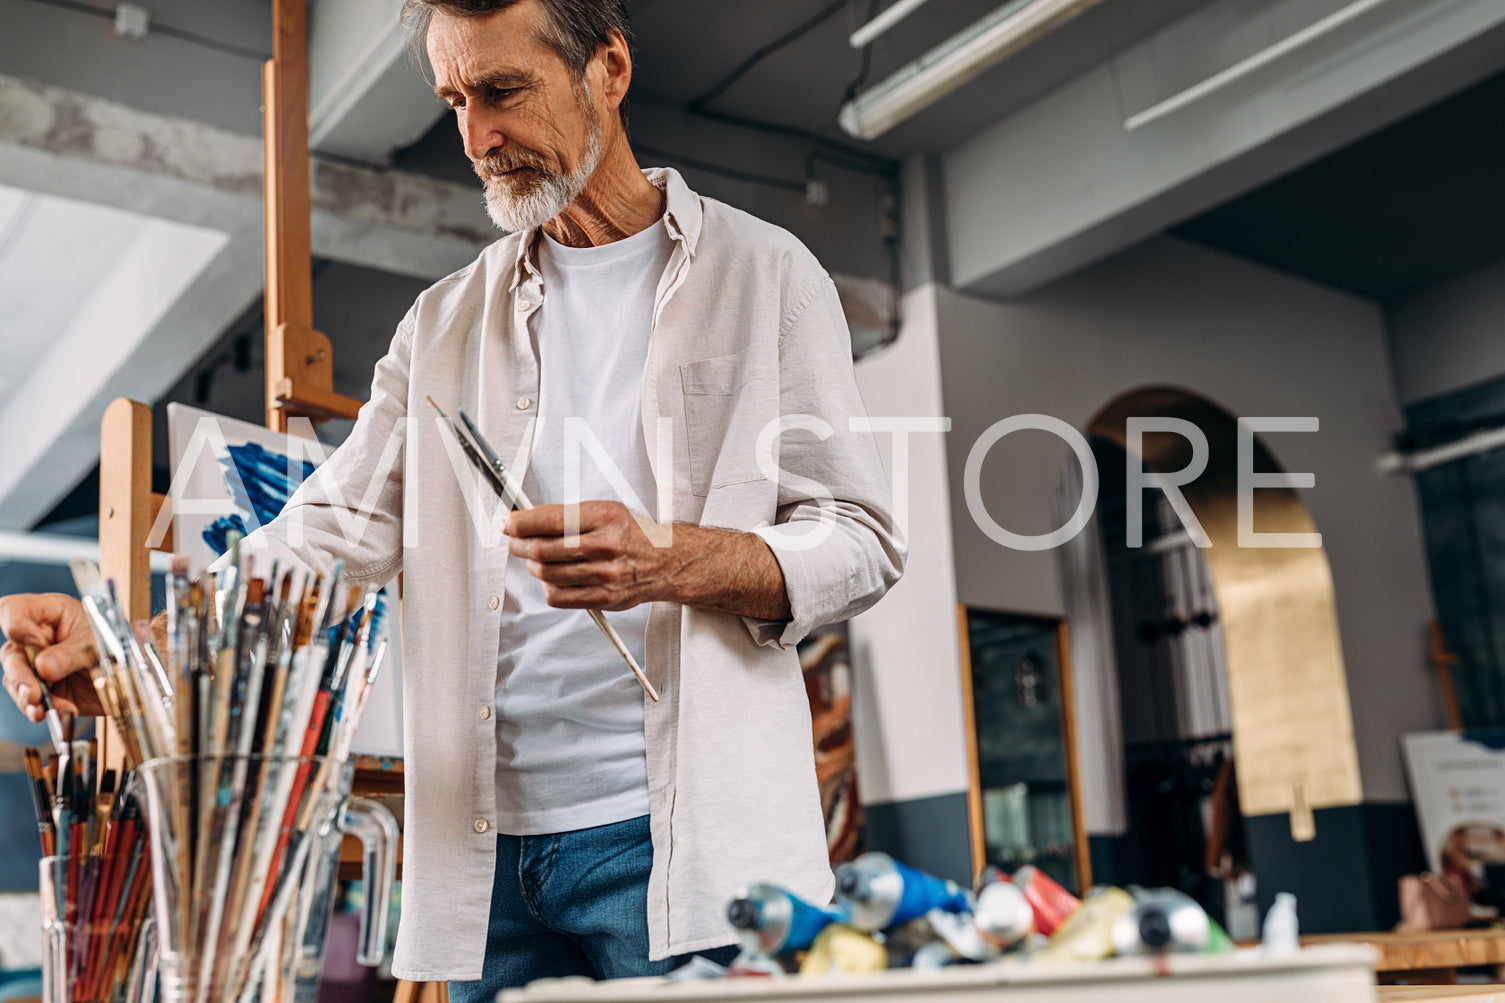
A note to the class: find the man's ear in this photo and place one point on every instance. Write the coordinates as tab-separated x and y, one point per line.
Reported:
615	60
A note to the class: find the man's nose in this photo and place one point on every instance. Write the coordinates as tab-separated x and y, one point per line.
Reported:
479	132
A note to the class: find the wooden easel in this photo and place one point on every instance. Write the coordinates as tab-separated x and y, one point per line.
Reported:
299	366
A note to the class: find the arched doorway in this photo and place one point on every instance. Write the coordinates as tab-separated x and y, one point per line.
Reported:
1278	678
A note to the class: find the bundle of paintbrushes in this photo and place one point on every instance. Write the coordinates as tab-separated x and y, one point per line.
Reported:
243	722
96	875
273	666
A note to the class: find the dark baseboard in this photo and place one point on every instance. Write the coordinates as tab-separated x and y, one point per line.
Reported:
928	833
1345	879
1110	859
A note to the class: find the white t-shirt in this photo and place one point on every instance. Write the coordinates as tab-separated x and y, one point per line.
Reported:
570	749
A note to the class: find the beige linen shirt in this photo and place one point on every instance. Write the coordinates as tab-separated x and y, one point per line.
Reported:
747	331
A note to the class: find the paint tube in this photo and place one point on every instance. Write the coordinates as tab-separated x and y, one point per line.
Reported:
959	935
841	950
875	892
1163	921
1051	903
1003	917
1086	934
772	921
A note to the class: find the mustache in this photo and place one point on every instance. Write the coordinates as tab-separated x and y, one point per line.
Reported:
489	167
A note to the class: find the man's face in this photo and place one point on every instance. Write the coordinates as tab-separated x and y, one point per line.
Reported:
532	133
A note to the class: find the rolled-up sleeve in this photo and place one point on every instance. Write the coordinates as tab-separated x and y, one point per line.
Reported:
834	536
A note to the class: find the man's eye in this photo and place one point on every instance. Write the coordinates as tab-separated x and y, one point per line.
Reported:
456	103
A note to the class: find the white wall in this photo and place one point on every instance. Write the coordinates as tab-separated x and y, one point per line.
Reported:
1450	335
1252	340
905	652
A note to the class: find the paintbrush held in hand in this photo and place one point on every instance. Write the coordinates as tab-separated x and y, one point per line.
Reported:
481	456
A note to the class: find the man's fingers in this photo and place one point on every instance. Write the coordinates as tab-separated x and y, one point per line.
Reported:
62	660
556	520
545	520
35	618
561	549
63	706
579	598
20	682
572	575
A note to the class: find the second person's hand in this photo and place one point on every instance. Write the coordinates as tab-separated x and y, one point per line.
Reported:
56	625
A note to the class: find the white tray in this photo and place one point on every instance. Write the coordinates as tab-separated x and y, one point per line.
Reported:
1326	974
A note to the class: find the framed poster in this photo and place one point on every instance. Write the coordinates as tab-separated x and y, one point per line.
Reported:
1458	787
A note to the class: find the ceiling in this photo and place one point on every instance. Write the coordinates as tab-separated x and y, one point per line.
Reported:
1419	202
53	253
687	47
1401	209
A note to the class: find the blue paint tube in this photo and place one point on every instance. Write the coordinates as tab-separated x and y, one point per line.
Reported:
875	892
772	921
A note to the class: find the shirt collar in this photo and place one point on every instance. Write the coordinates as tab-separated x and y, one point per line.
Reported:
682	218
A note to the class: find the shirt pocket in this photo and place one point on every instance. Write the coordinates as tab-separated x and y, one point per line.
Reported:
726	406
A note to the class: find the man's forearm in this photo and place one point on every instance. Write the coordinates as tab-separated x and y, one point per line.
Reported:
725	571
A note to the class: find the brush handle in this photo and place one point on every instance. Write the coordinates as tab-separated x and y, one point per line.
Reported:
520	501
523	502
616	642
54	723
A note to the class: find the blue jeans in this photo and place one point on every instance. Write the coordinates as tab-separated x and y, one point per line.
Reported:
570	903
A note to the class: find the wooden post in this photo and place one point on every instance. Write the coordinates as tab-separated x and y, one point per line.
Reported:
1080	842
299	361
126	510
977	837
299	365
1443	661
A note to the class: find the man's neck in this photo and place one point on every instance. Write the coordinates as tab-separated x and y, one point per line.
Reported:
616	203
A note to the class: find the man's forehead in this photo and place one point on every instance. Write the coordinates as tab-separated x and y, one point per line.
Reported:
512	35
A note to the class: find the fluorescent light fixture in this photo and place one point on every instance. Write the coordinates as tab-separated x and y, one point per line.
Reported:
1482	441
885	20
955	62
1244	67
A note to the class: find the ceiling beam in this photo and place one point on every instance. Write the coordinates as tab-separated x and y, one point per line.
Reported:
366	99
1209	107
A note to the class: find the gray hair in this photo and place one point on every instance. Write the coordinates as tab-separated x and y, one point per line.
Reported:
575	29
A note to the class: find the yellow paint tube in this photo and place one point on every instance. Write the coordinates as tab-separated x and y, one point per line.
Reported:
1087	933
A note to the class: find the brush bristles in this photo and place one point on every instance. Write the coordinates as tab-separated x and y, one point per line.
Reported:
86	578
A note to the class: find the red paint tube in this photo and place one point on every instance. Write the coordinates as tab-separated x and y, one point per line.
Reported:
1051	903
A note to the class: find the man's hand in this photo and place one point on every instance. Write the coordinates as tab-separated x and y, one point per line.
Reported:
617	561
56	624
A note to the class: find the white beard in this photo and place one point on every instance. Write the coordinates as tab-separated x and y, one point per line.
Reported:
547	194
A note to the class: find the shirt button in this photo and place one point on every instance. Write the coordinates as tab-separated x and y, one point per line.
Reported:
482	825
524	305
523	403
494	602
485	713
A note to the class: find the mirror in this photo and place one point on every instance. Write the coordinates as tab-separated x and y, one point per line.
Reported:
1024	802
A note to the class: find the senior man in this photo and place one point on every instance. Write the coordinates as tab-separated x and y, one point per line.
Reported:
556	823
